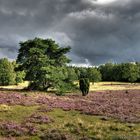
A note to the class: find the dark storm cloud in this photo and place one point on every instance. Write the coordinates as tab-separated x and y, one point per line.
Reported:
98	33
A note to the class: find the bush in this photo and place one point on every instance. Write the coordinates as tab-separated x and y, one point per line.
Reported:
84	86
65	87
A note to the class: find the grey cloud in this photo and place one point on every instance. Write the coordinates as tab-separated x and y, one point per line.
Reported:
97	33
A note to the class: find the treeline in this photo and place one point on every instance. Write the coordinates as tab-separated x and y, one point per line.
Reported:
124	72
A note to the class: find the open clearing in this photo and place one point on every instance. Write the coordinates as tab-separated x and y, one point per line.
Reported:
114	86
105	114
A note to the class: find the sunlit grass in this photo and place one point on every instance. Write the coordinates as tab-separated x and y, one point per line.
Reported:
103	86
19	86
113	86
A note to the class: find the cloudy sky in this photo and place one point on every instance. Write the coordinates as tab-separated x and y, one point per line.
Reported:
98	31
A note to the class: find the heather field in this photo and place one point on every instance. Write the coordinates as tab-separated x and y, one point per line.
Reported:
105	114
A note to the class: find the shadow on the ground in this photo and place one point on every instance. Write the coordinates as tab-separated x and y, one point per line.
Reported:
12	89
26	90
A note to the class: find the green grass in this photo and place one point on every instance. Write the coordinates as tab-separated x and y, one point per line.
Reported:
17	113
73	123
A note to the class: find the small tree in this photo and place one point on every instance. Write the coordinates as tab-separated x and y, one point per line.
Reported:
7	74
84	86
84	83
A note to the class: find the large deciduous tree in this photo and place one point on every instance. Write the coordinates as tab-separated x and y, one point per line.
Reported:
44	62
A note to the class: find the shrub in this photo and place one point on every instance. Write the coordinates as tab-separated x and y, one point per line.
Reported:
84	86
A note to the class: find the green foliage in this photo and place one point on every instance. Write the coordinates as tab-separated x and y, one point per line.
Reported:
7	74
71	74
66	78
53	77
44	63
94	75
138	66
20	75
83	73
84	82
107	71
130	72
125	72
84	86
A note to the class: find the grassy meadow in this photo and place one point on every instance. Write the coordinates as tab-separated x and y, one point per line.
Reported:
110	112
102	86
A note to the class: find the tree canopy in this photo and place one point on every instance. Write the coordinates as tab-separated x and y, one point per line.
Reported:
44	62
125	72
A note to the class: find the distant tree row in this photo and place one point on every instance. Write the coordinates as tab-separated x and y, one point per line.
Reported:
125	72
92	73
